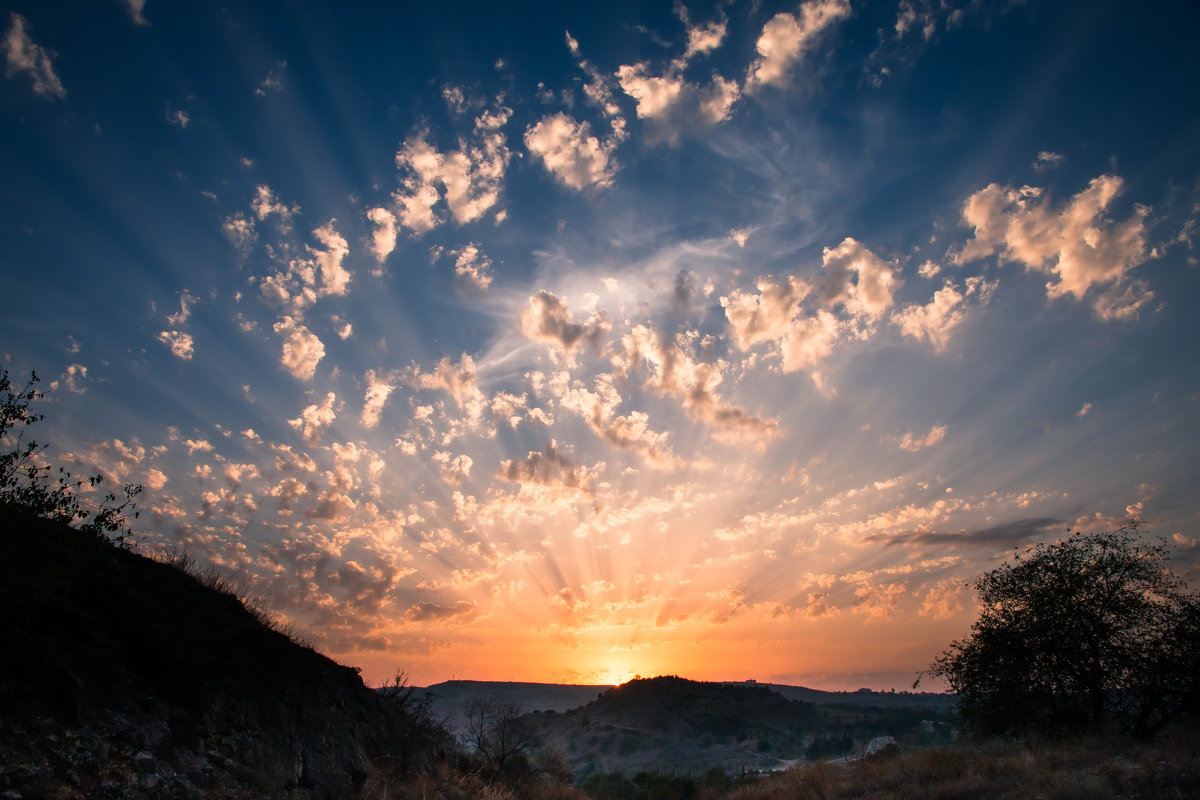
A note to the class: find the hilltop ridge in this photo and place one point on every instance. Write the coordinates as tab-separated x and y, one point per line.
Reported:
128	676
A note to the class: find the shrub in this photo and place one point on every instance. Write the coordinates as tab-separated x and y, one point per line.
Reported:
29	485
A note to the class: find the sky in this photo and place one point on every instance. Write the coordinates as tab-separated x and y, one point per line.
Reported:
569	342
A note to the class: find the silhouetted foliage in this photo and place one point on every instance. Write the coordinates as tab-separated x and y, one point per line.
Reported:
1089	633
495	730
29	485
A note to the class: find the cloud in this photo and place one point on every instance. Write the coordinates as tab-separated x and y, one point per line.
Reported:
942	600
878	602
469	177
787	38
549	468
1007	534
426	611
22	55
598	408
458	381
774	315
818	605
383	238
302	350
548	319
73	379
307	279
179	117
870	295
274	80
379	387
569	150
670	103
673	105
673	372
1076	243
472	268
935	321
181	343
136	7
186	301
766	316
915	444
1046	160
240	231
266	204
315	417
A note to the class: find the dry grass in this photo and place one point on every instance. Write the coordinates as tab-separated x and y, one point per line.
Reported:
1091	769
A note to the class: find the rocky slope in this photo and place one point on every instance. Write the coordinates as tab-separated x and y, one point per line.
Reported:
126	677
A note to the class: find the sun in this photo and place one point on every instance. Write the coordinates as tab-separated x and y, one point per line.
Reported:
615	676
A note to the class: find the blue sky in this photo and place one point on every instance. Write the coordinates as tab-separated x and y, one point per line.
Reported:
568	343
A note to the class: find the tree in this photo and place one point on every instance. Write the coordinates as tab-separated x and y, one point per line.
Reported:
495	730
1086	634
28	485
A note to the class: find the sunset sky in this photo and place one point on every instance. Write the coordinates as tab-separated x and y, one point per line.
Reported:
564	342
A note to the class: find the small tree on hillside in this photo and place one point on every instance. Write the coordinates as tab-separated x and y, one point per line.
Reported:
1085	634
28	485
495	730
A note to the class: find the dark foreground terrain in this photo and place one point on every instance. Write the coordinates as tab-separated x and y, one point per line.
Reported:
126	677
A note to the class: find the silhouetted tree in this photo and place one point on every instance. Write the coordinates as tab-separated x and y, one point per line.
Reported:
29	485
495	730
1088	633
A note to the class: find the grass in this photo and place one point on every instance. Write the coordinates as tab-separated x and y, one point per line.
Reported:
1084	769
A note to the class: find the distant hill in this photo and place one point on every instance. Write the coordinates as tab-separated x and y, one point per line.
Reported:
128	677
688	727
447	699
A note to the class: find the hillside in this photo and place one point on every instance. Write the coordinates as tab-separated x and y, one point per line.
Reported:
124	676
687	727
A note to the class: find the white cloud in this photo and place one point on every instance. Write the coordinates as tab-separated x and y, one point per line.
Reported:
180	343
315	417
379	387
673	105
1084	410
470	177
570	152
274	80
186	301
787	38
335	279
136	7
598	408
302	350
472	268
22	55
871	293
1076	243
383	238
240	231
308	279
549	468
774	315
265	204
458	380
179	117
935	321
914	444
548	319
673	372
767	315
1047	160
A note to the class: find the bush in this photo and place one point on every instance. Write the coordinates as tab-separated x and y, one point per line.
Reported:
32	487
